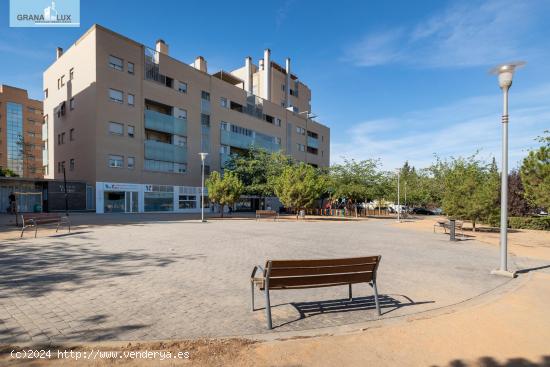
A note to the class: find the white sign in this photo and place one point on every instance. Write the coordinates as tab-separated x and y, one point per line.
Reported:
120	187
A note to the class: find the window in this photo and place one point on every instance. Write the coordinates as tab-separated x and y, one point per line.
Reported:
277	140
181	113
223	102
268	118
71	74
116	96
130	131
182	87
58	86
130	67
58	139
283	88
45	93
62	80
115	63
116	128
62	138
131	162
225	126
179	140
301	147
300	130
205	119
187	201
130	99
71	134
205	96
71	104
71	164
116	161
277	121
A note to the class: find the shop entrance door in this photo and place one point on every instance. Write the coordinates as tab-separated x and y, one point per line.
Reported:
131	202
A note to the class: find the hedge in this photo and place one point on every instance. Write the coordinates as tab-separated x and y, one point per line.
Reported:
541	223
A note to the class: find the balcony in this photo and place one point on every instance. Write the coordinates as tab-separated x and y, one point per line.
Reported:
165	123
158	151
312	142
245	142
44	157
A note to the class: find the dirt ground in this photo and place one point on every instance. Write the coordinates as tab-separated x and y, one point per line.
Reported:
521	242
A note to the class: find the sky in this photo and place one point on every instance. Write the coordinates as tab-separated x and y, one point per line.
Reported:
394	80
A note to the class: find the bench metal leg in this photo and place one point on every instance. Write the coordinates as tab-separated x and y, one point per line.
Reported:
376	297
252	293
22	230
57	229
350	293
268	309
35	230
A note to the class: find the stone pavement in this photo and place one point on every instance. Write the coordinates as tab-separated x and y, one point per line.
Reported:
185	279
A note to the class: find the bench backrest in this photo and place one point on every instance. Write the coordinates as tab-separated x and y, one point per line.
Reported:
41	216
266	212
280	274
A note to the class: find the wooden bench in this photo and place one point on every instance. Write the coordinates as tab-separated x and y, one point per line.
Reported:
267	213
300	274
446	225
34	219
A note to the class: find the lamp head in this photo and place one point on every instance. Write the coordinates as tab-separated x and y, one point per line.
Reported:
505	73
203	156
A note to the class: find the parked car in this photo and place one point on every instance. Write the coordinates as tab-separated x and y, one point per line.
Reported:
422	211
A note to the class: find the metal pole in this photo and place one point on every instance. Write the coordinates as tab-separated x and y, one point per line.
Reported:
398	216
504	187
202	192
66	194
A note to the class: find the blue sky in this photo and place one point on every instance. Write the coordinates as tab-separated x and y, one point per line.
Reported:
395	80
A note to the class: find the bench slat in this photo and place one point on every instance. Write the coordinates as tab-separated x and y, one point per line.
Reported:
339	269
320	280
323	262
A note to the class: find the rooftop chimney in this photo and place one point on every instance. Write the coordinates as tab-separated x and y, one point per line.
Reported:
267	75
58	52
200	64
248	76
161	46
288	82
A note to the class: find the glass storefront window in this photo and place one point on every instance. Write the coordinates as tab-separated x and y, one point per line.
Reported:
114	202
159	201
187	201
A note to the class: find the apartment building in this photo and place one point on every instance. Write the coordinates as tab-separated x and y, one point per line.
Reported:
20	132
130	120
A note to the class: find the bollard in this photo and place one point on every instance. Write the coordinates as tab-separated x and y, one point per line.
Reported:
452	230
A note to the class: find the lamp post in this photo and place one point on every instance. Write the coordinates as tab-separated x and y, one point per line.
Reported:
398	209
505	73
203	158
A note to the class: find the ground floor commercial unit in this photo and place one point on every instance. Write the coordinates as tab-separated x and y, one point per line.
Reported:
117	197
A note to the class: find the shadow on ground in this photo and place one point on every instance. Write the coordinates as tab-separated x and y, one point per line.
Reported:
492	362
35	269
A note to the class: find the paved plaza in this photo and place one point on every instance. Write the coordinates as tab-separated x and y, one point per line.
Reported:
180	279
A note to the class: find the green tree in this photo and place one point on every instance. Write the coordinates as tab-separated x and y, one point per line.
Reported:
6	172
299	186
255	168
471	189
535	174
224	190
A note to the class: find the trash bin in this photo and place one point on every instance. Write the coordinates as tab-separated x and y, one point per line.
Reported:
302	213
452	229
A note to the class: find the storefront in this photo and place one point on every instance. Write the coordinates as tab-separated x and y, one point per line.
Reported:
112	197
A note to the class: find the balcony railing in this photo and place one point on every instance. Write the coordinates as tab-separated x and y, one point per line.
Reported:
245	142
159	151
165	123
312	142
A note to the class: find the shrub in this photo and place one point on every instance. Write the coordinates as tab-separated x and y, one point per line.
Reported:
541	223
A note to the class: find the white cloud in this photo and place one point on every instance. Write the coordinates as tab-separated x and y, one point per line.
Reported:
476	33
459	129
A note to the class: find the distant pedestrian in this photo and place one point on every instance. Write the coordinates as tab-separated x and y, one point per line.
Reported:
13	204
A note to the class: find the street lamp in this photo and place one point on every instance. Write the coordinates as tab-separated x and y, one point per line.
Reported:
203	158
505	73
398	209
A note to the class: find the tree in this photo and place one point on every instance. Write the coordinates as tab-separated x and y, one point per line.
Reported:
6	172
518	206
224	190
471	189
298	186
535	174
255	168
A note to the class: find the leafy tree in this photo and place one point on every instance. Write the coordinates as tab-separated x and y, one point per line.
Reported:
224	190
535	174
471	189
6	172
255	168
518	206
298	186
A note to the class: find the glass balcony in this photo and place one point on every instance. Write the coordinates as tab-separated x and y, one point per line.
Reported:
165	152
165	123
245	142
44	157
224	158
312	142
